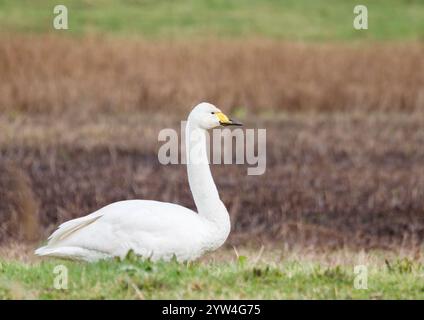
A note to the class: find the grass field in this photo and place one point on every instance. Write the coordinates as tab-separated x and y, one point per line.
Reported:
282	19
220	277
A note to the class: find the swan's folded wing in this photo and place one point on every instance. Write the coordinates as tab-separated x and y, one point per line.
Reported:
70	227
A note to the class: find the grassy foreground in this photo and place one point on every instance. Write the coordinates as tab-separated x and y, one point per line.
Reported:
286	19
238	279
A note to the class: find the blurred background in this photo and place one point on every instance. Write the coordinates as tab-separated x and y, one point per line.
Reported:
81	109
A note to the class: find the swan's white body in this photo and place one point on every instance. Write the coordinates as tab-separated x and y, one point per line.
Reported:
153	229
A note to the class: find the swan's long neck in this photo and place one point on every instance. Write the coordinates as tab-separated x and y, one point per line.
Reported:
202	186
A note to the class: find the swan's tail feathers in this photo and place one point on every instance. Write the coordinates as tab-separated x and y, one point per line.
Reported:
72	253
68	228
45	251
57	247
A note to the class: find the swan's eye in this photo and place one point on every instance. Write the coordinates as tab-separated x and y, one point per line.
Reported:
212	112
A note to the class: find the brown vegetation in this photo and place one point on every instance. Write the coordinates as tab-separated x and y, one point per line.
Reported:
46	73
18	206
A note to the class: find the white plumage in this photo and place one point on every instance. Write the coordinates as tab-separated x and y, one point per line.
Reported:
152	229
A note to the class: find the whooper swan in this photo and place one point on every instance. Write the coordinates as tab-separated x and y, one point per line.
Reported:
152	229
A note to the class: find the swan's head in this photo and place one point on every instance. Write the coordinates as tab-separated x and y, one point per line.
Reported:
207	116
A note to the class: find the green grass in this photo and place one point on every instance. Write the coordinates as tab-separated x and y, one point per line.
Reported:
283	19
137	279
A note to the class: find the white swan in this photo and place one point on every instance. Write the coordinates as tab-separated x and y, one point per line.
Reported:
153	229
